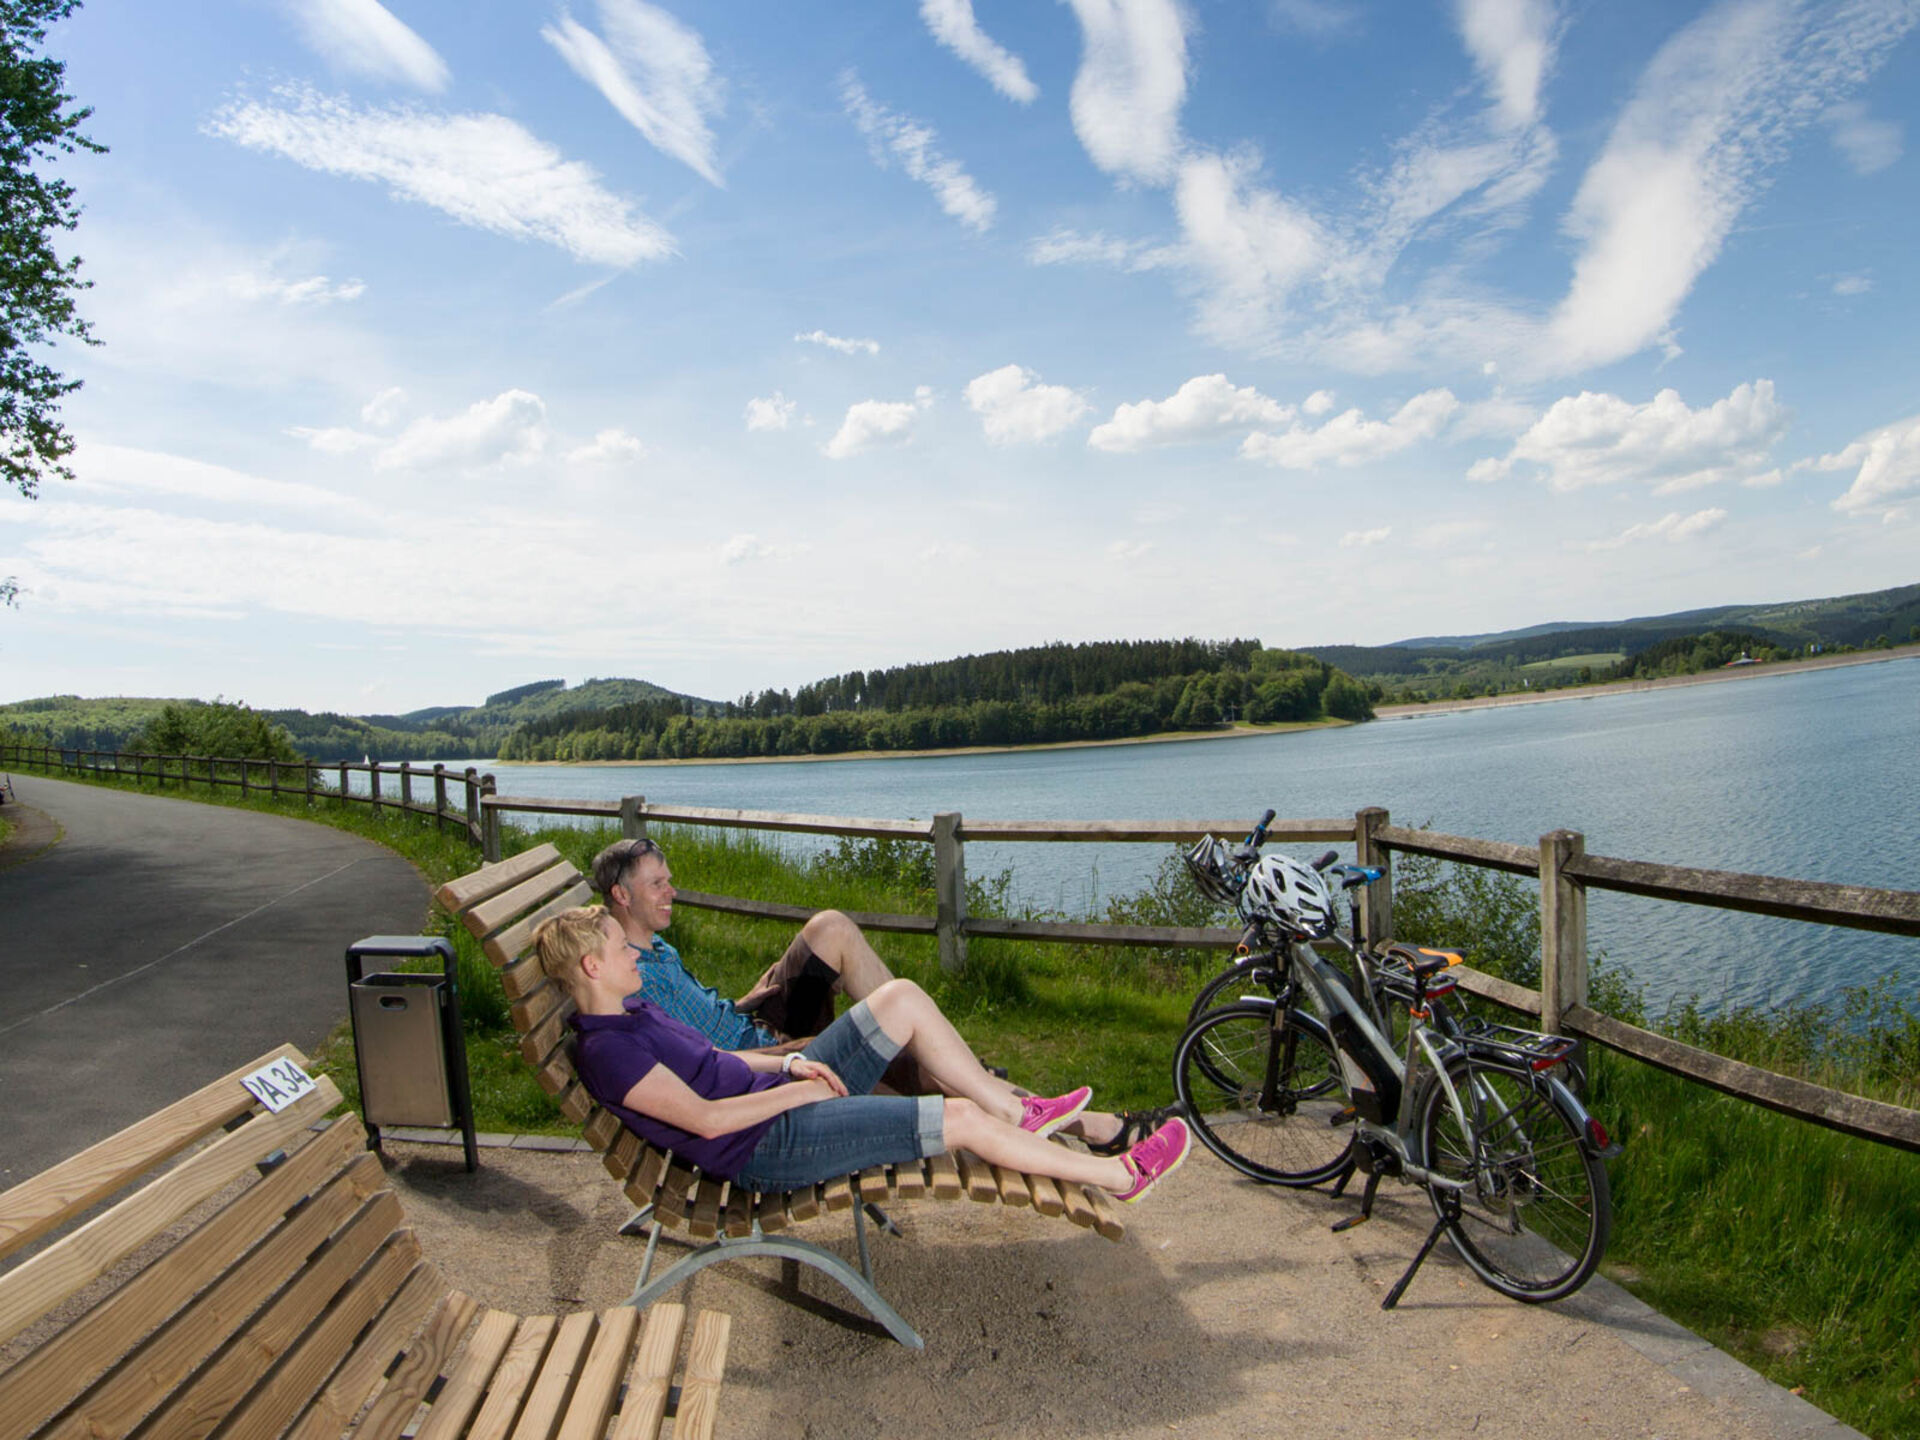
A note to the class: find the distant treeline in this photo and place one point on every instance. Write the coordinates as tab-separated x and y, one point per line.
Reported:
1690	654
1046	694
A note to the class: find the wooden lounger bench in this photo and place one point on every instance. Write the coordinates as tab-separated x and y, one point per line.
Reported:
501	905
294	1303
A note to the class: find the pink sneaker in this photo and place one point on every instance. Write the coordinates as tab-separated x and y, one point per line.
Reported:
1043	1116
1155	1158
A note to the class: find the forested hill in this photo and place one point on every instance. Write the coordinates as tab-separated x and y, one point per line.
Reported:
1106	691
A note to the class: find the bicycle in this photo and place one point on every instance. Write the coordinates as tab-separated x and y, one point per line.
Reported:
1303	1085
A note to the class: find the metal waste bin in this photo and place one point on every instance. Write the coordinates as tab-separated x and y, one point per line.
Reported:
397	1040
407	1040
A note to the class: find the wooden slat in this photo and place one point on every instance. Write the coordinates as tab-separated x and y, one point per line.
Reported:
704	1222
672	1201
872	1186
910	1181
944	1176
544	1010
47	1200
349	1388
601	1129
270	1405
1492	854
521	977
38	1284
837	1194
804	1203
467	1383
417	1371
513	1378
1079	1208
650	1381
1106	1213
797	824
505	949
623	1155
1859	907
1170	832
799	914
1089	933
1013	1187
489	915
557	1074
575	1103
977	1176
645	1182
772	1213
598	1384
59	1369
490	880
739	1219
1046	1195
547	1400
706	1365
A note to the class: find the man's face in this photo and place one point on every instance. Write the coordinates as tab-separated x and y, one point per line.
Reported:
649	891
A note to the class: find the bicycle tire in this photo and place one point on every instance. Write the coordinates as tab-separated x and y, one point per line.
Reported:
1238	981
1536	1210
1220	1074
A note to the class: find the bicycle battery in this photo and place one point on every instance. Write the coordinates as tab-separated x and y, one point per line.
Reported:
1371	1086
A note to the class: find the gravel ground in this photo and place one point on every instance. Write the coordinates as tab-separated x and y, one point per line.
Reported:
1228	1310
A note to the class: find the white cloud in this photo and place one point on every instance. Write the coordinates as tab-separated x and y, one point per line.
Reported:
1450	534
652	69
877	422
610	446
509	427
1886	466
1361	539
740	549
916	147
1852	284
1599	439
1317	19
483	170
1130	87
1511	42
311	290
1352	439
1204	408
1318	403
1867	145
1125	552
953	24
840	343
1673	528
771	412
152	475
1015	408
363	37
334	440
1249	247
385	409
1689	152
1068	247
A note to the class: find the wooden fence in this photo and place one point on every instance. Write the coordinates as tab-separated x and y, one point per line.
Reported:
1560	863
389	787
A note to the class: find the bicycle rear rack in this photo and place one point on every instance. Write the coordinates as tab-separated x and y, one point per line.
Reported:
1532	1048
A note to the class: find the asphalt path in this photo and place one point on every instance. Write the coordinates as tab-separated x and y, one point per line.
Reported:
159	944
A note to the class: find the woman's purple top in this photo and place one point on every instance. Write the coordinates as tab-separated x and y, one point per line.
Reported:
616	1052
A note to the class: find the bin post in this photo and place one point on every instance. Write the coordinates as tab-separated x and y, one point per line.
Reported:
452	1039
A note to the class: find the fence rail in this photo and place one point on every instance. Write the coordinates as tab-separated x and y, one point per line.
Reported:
1564	870
308	780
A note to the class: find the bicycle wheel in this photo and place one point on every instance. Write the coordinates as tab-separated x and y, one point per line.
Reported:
1236	982
1535	1208
1264	1099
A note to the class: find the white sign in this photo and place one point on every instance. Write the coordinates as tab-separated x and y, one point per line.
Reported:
278	1085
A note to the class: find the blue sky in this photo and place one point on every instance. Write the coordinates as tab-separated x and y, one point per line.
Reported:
451	346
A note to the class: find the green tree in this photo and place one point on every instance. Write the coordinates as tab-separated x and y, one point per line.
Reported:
222	730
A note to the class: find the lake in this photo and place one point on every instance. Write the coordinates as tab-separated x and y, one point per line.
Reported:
1813	775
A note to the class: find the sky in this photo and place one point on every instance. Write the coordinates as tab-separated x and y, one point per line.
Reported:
451	346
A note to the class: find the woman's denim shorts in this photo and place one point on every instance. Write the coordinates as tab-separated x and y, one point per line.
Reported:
839	1136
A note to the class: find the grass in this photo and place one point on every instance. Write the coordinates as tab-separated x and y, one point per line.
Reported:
1792	1247
1573	662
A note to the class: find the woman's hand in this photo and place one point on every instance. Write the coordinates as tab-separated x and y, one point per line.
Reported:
805	1069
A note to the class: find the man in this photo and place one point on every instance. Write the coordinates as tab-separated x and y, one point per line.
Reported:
793	1000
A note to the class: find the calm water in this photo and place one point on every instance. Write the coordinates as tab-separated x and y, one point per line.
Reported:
1814	776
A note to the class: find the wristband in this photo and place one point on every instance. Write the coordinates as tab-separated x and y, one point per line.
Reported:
786	1062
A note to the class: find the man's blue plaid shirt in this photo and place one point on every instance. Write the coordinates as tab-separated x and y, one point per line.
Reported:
664	980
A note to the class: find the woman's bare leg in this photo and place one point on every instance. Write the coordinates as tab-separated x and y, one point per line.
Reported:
908	1016
968	1127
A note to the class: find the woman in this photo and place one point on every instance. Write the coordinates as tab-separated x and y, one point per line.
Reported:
774	1122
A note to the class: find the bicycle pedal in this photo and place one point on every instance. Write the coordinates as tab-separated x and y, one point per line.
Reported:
1341	1226
1342	1117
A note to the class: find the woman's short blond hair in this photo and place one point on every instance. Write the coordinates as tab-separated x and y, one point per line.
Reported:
566	939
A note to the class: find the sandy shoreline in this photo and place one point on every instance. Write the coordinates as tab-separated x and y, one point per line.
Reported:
1633	687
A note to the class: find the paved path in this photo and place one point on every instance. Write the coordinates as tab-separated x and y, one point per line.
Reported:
159	943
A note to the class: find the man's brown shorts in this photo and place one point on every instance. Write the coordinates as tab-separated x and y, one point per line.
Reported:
801	1006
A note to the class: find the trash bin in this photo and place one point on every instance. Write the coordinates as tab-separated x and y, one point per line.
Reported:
397	1022
407	1041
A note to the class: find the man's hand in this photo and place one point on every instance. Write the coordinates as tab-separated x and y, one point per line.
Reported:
805	1069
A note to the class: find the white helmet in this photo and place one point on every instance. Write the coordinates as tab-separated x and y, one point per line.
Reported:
1215	872
1282	891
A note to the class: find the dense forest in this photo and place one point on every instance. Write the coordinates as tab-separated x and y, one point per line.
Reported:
1110	691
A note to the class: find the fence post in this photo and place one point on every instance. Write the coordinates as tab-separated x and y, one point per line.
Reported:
1563	929
273	779
440	795
343	782
1376	900
489	824
138	775
307	767
950	892
633	819
373	786
246	774
406	784
472	780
